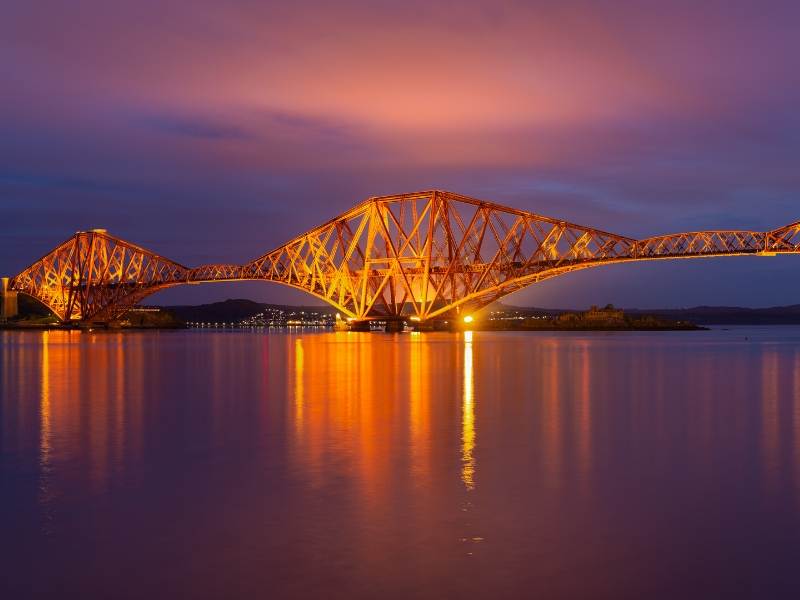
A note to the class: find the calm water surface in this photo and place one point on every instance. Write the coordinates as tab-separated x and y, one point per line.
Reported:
240	464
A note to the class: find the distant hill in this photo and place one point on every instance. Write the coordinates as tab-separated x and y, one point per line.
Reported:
731	315
701	315
233	310
237	309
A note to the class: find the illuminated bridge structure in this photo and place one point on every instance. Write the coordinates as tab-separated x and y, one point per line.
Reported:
420	256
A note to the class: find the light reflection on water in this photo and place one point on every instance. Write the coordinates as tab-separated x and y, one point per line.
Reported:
468	418
206	464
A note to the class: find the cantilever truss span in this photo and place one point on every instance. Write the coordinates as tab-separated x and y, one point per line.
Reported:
424	255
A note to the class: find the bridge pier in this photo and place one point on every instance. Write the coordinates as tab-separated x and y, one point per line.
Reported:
8	301
359	325
394	326
391	326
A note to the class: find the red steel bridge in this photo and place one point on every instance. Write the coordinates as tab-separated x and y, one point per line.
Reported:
421	256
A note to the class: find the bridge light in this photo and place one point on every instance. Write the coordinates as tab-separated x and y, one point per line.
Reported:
415	318
338	317
468	319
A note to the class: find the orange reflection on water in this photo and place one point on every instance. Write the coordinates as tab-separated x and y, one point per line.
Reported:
419	405
298	384
468	417
584	417
45	429
335	405
796	425
44	403
84	415
552	418
100	414
770	425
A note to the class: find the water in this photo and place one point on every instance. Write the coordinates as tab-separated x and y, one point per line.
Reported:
194	464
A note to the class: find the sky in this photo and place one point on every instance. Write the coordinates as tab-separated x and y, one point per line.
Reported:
214	131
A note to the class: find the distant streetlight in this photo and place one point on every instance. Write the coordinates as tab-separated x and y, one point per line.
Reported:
468	319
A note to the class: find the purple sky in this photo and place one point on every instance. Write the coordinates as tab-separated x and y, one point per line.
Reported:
214	131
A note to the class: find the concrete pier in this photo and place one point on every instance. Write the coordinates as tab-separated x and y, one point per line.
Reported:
394	326
359	325
8	301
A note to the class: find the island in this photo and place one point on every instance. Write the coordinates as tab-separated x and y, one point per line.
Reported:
608	318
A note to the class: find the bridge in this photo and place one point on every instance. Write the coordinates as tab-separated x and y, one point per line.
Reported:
421	256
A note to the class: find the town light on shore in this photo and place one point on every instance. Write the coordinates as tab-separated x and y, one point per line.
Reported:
468	319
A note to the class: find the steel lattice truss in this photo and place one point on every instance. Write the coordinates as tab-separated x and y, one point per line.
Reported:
96	276
425	255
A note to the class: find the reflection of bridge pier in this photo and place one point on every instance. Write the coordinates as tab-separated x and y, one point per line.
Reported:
435	325
423	256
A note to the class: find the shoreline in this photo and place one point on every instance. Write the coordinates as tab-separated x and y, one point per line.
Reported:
476	327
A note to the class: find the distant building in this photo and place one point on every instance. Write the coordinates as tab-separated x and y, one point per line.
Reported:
595	315
609	313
